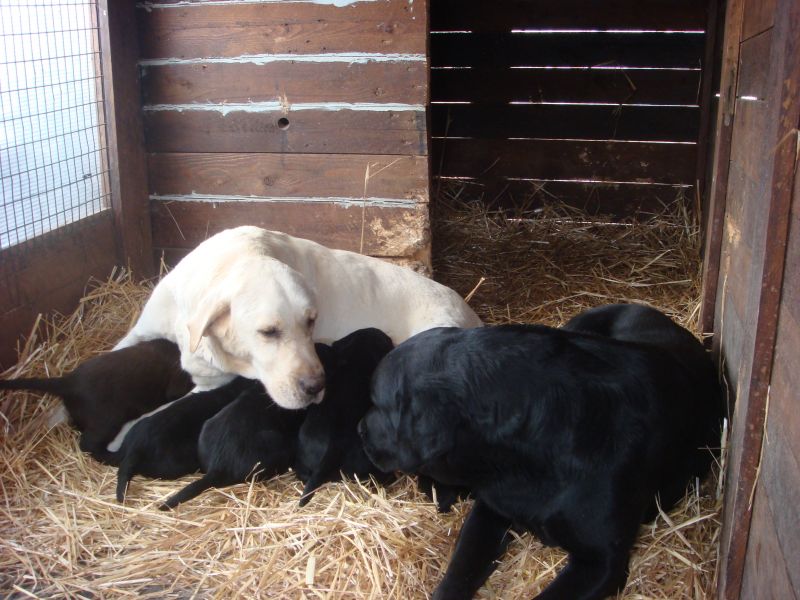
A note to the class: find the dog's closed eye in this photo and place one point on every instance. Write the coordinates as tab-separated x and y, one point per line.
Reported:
270	332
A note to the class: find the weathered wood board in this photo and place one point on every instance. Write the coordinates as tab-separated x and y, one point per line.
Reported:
307	117
555	73
50	273
751	288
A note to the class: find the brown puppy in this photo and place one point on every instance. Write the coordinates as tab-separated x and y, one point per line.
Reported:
110	389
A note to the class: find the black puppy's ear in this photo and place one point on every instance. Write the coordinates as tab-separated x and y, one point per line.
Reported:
327	356
432	429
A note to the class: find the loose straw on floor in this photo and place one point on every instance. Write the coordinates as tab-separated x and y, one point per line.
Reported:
62	534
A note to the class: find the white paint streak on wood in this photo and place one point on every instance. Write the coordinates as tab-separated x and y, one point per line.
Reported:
267	107
339	200
262	59
148	6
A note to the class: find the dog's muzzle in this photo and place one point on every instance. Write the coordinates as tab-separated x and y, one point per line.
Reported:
312	386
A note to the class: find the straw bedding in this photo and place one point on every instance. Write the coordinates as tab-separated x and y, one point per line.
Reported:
62	534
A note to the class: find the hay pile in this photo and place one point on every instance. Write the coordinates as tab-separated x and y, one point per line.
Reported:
62	534
547	265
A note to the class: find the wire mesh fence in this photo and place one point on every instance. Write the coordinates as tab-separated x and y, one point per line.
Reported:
53	161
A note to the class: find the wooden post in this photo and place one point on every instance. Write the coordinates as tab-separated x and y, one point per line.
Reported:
722	152
710	73
126	149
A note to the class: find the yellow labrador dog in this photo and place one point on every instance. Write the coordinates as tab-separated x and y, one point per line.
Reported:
252	302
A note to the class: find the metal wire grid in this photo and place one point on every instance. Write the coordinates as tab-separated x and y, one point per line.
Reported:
53	162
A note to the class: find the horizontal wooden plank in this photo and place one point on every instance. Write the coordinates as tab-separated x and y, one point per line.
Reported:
235	29
290	82
308	131
291	175
674	50
579	85
16	325
55	259
579	121
566	159
378	231
50	272
616	200
453	15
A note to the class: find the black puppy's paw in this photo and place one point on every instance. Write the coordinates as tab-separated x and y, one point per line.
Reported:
445	496
450	591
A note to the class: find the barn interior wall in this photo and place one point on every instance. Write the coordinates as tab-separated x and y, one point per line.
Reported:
50	274
305	117
595	104
311	119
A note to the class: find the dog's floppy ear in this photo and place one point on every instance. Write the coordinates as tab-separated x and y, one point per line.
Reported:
434	426
205	317
327	356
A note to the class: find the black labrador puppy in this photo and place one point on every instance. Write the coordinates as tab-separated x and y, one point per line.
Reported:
571	436
164	444
108	390
255	437
328	444
252	437
646	325
637	323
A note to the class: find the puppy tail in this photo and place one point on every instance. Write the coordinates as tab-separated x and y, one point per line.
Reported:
50	385
124	475
192	490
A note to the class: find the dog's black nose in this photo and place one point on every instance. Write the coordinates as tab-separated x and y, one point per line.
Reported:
312	385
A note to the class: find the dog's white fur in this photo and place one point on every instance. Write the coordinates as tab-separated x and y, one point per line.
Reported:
223	302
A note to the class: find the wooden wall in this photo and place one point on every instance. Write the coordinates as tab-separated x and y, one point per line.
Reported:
752	295
561	99
307	117
49	274
773	551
